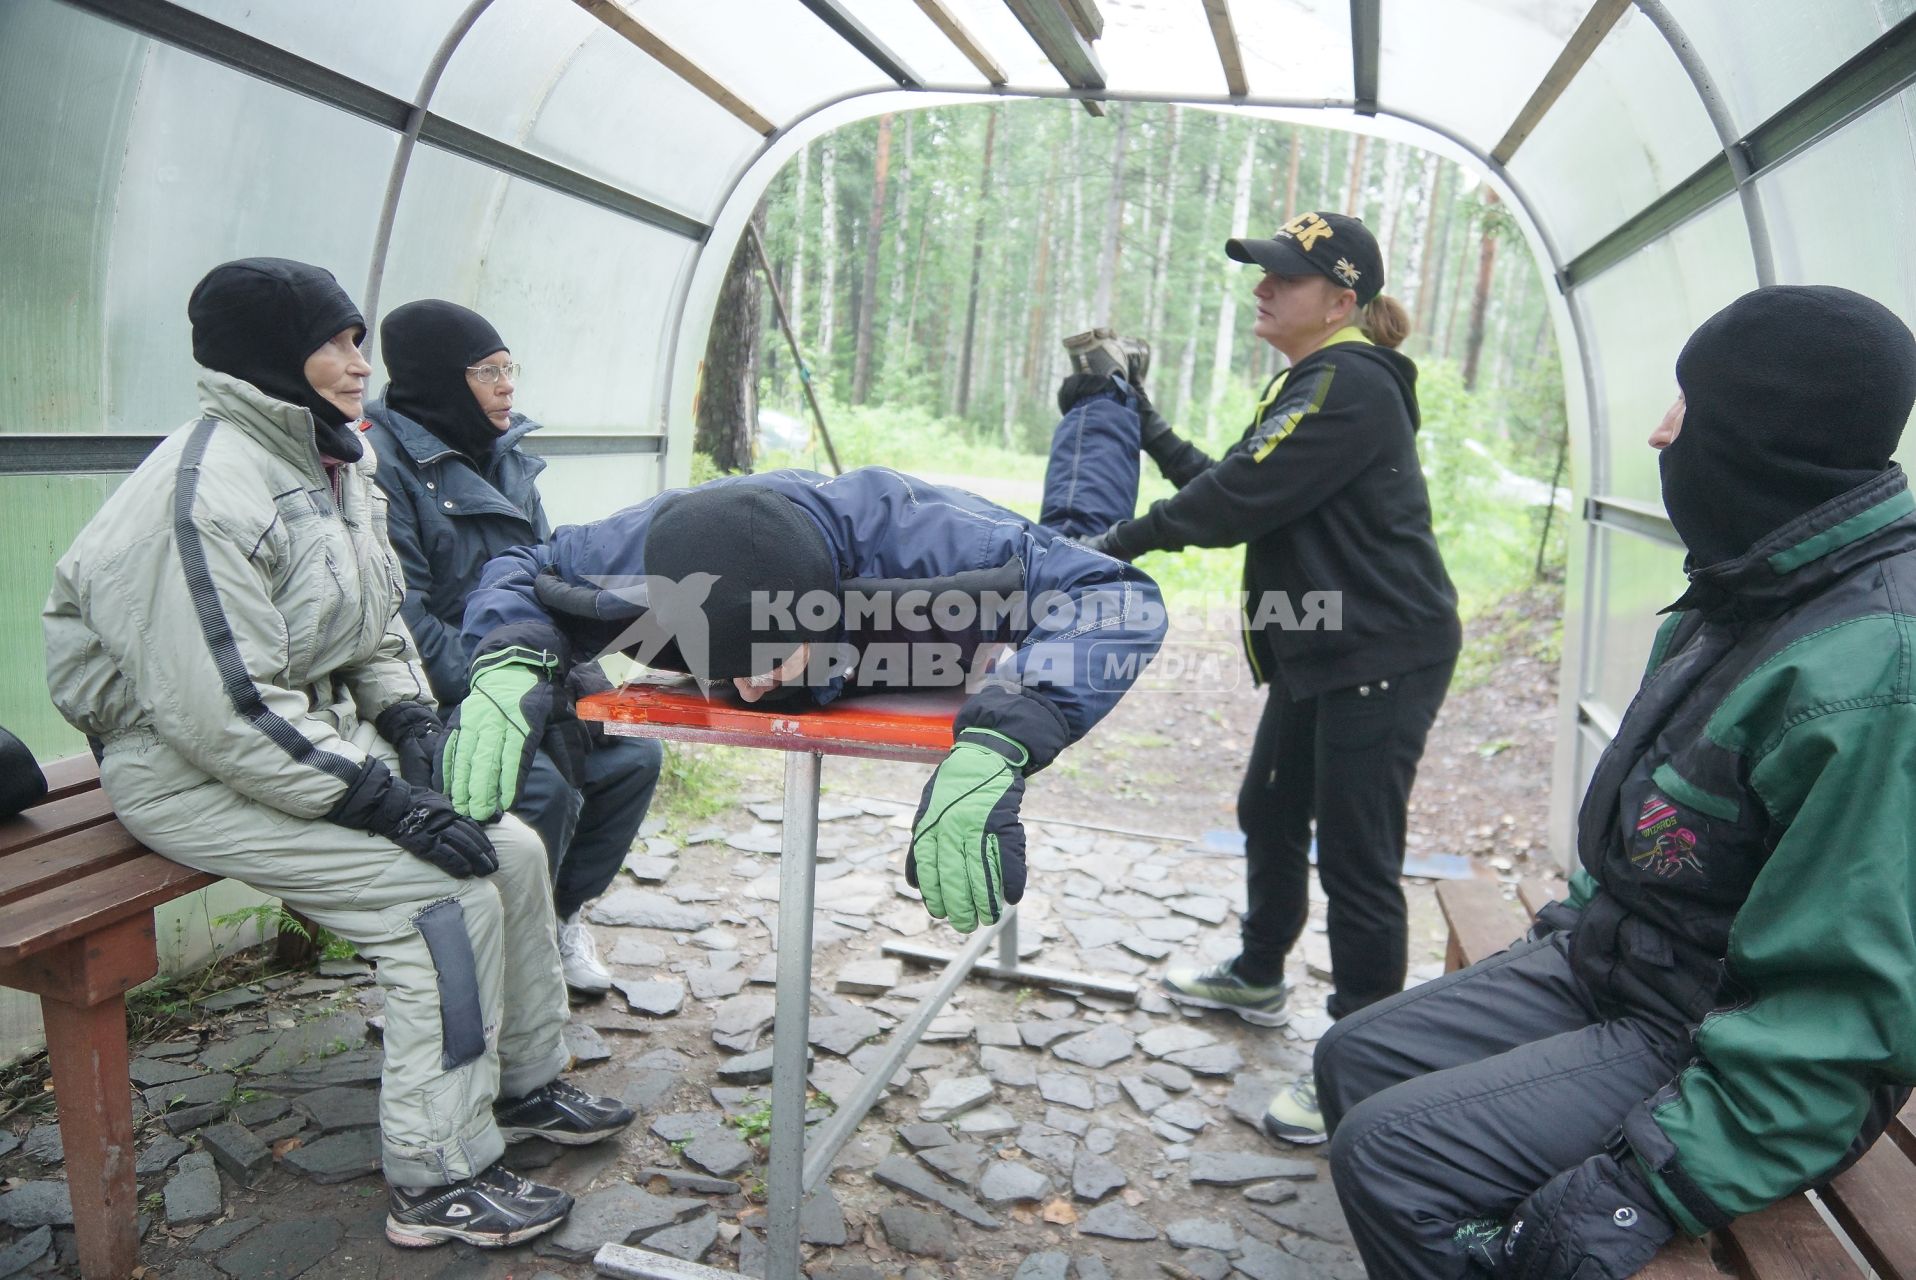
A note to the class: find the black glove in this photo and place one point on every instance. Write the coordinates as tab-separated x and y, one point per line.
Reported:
1598	1221
1152	428
583	681
414	730
1077	386
417	819
1103	543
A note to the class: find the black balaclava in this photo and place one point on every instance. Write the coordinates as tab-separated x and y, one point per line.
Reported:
756	542
1793	394
428	346
258	319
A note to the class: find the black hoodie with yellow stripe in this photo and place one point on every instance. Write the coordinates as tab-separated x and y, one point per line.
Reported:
1327	493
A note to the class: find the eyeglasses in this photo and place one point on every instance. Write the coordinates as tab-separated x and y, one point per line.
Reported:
487	374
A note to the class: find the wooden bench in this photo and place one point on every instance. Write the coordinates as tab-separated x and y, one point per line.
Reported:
77	894
1874	1200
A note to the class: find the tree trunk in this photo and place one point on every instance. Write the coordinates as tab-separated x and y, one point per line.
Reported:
795	296
901	245
828	259
1076	316
1290	178
1388	218
1041	278
1113	215
1360	151
1486	265
1161	263
1187	364
977	263
1432	307
1227	304
1427	248
1321	198
727	415
868	288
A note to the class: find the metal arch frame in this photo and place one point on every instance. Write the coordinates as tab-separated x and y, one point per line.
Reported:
1722	121
402	157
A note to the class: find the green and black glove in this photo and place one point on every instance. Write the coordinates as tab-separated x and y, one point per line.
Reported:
967	852
497	730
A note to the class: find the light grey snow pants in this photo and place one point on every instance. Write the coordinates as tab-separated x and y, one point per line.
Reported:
475	1001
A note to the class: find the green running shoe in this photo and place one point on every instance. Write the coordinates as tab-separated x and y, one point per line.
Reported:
1219	987
1293	1116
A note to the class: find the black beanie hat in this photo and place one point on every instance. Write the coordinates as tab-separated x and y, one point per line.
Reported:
258	319
428	346
1793	394
758	544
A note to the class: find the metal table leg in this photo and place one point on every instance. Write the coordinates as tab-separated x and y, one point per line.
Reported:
791	1026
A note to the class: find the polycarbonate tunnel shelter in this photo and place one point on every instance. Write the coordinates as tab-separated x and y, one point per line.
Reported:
580	170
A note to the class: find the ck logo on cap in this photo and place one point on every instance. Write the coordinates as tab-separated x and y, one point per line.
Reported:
1307	228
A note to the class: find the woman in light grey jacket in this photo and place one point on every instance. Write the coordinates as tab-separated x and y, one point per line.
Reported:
225	631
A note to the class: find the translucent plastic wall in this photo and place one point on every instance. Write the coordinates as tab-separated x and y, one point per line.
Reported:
584	168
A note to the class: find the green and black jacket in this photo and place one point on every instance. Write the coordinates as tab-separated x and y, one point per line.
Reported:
1749	859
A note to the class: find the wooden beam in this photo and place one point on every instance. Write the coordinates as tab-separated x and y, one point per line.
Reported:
1224	32
967	44
678	64
1367	26
1085	17
1059	39
855	33
1596	24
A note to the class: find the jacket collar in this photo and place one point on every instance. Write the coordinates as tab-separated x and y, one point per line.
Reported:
1801	558
424	447
285	429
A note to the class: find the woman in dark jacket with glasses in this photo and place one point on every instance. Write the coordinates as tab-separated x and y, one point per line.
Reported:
462	491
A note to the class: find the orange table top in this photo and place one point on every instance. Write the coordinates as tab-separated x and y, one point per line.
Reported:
885	726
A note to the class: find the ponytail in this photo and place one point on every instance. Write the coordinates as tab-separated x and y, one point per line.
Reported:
1384	321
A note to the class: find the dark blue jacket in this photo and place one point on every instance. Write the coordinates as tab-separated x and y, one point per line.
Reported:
1092	621
446	521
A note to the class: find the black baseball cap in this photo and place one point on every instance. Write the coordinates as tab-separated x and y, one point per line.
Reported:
1333	245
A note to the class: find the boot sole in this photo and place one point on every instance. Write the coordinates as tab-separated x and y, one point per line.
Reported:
409	1236
565	1138
1256	1017
1300	1138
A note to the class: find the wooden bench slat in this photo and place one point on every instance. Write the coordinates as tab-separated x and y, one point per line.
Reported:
1682	1259
1481	922
1789	1241
1875	1200
70	775
49	820
1537	892
1902	1129
80	907
71	857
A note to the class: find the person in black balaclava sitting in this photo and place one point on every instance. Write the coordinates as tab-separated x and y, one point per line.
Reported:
462	491
1721	1014
225	631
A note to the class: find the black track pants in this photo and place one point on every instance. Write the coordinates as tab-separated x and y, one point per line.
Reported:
1346	758
1451	1102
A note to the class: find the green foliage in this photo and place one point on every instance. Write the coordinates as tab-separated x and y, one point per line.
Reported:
696	782
266	917
754	1124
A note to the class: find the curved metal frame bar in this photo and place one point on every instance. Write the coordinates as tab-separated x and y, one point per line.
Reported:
402	158
1720	119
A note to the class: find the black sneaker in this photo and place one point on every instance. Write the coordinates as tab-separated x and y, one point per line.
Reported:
492	1209
560	1113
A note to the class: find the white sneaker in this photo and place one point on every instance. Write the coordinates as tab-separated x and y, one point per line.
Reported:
579	957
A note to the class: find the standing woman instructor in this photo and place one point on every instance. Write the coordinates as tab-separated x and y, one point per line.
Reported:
1326	493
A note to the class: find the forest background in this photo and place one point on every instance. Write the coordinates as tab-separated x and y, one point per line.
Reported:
929	263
